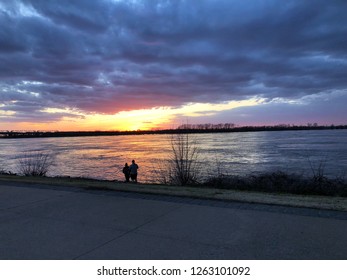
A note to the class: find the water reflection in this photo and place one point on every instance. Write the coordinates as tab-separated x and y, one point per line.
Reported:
234	153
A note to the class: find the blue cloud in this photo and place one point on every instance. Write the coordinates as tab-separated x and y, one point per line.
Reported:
92	55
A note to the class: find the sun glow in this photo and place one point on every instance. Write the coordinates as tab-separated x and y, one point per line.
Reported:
144	119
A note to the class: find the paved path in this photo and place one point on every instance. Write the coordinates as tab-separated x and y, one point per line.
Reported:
45	222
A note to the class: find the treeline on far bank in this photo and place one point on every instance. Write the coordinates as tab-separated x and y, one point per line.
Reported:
186	128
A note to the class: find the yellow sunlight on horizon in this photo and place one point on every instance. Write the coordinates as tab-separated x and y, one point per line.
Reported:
162	117
144	119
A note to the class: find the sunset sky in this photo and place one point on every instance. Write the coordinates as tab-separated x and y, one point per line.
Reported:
136	64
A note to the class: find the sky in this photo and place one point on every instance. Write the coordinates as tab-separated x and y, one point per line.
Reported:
136	64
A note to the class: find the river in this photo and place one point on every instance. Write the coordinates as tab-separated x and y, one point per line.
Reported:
239	153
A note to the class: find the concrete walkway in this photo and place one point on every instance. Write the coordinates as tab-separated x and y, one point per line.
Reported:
45	222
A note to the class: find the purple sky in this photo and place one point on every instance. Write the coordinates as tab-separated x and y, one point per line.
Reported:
86	57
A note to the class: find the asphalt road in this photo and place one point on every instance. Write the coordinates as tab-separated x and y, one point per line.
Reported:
48	222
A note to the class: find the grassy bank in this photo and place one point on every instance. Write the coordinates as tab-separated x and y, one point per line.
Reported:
281	182
205	192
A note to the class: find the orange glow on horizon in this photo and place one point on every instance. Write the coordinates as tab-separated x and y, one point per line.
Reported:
144	119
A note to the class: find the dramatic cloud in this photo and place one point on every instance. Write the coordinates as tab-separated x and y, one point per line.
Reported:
104	57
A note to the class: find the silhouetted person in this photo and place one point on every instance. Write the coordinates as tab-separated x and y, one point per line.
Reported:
133	171
126	171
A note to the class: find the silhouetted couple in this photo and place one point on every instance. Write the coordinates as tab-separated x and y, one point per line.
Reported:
130	172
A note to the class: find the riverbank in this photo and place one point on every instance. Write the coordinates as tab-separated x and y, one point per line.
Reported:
206	192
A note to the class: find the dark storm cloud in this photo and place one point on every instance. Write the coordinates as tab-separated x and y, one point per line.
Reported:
107	56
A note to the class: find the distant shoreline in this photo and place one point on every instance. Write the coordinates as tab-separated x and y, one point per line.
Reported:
37	134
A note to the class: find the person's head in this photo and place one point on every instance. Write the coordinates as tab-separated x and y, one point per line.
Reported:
133	161
126	164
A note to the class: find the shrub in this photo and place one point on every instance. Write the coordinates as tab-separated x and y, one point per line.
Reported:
3	171
318	171
36	164
182	166
281	182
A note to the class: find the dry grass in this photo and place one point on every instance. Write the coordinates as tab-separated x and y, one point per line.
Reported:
310	201
281	182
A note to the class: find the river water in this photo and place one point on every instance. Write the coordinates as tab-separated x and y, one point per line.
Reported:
244	153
